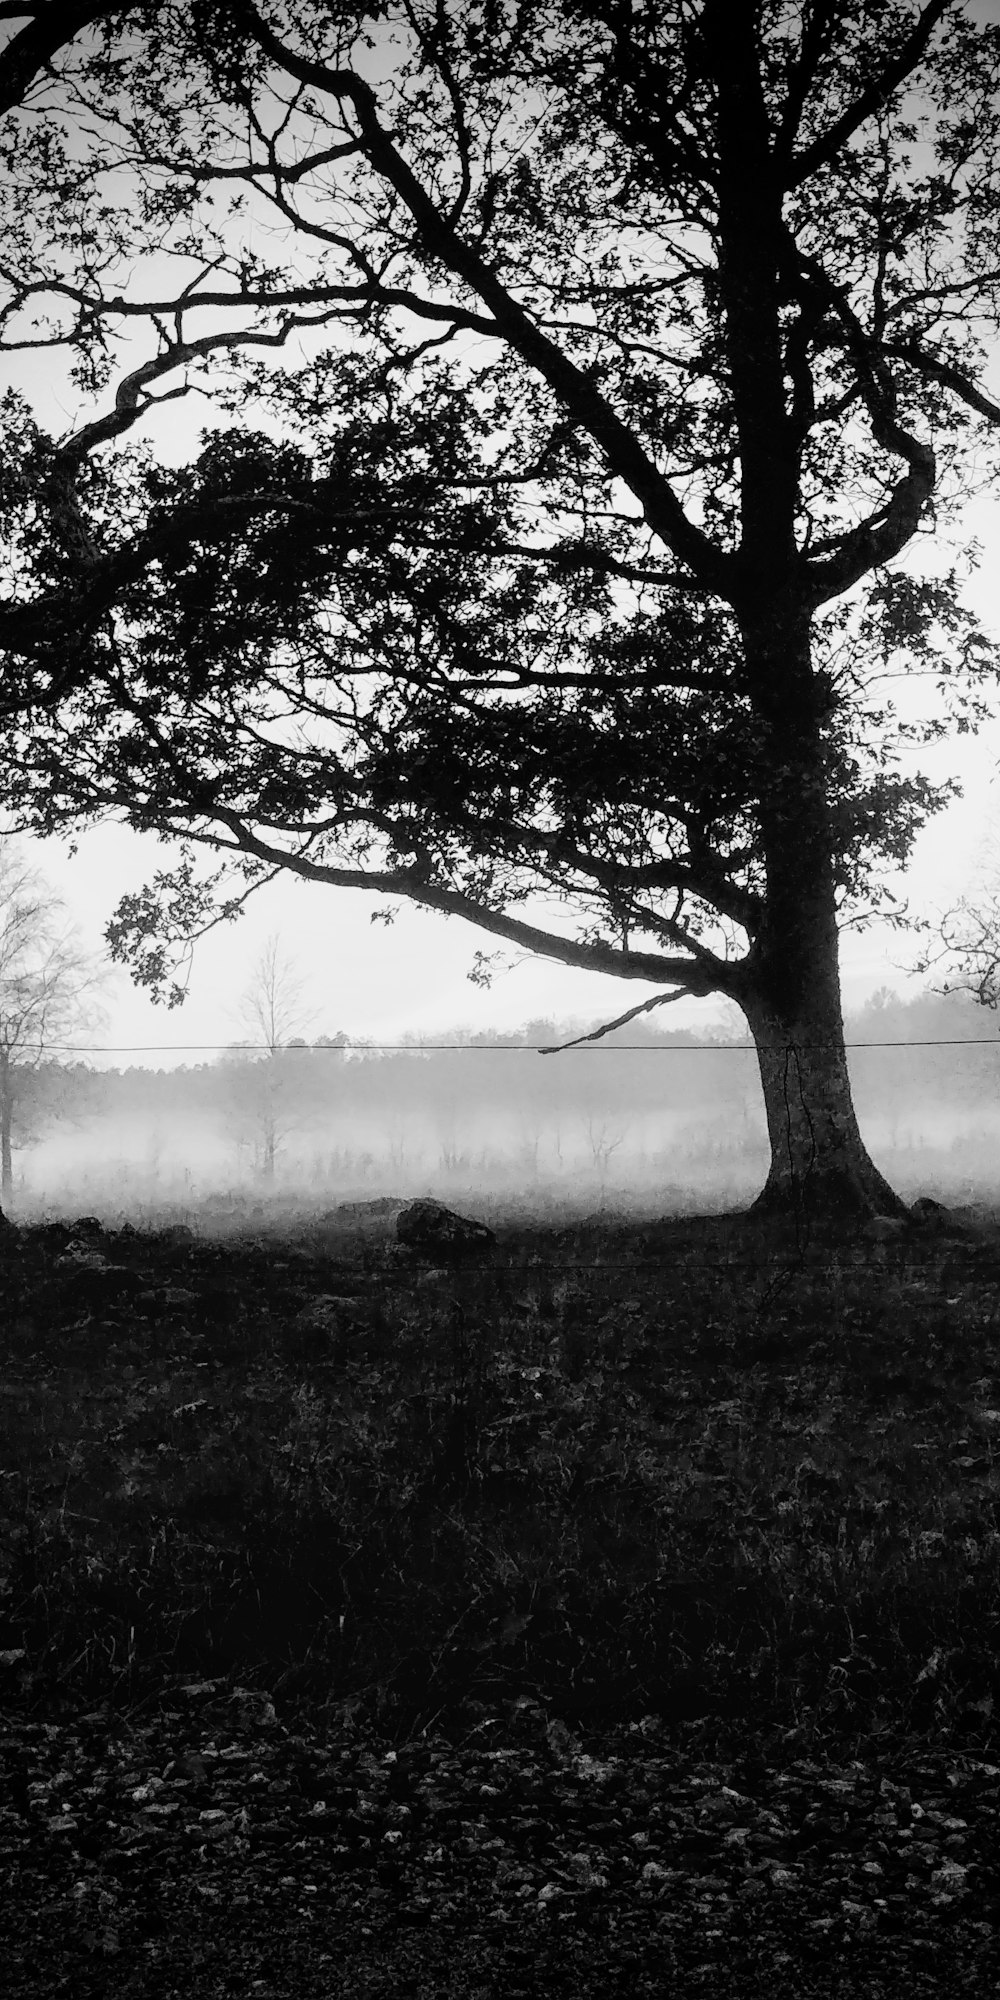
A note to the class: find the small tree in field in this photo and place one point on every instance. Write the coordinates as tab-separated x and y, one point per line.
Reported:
49	989
603	1139
585	368
269	1098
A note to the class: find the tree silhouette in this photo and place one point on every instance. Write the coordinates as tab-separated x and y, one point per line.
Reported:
578	362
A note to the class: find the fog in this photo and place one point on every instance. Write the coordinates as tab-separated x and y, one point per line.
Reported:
645	1120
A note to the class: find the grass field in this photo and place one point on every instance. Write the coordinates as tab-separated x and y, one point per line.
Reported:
683	1467
630	1599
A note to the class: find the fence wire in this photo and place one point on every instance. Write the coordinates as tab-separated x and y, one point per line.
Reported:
488	1048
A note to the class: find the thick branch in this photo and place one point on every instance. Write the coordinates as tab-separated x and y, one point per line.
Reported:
511	323
582	555
711	974
50	28
597	1034
751	251
949	376
46	621
132	398
818	29
882	535
710	885
829	144
354	298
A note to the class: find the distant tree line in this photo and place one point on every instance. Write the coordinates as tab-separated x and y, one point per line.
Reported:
643	1092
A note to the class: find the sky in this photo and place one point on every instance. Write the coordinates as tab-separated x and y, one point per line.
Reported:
382	982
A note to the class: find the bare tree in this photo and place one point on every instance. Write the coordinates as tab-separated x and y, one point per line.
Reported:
272	1005
49	988
603	1138
273	1008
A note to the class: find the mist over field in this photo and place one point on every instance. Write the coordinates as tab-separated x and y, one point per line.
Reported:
646	1118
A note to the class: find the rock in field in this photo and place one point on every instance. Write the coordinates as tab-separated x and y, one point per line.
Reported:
431	1230
368	1218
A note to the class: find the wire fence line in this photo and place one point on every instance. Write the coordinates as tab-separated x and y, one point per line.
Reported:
489	1048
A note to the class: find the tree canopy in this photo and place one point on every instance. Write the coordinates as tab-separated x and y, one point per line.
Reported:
569	368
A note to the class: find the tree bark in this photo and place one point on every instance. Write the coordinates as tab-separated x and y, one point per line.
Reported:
789	987
820	1167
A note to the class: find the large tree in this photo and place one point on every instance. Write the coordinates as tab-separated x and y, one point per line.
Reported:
580	370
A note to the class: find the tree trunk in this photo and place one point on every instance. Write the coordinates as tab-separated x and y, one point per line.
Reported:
789	985
820	1166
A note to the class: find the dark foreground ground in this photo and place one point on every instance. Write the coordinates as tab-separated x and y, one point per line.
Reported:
617	1616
